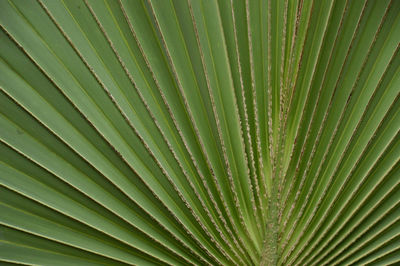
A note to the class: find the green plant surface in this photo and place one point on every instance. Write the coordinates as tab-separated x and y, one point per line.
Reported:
199	132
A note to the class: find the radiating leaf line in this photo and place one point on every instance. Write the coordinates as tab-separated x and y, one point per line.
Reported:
163	170
217	185
199	132
189	181
46	74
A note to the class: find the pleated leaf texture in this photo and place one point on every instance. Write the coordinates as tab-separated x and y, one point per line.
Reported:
199	132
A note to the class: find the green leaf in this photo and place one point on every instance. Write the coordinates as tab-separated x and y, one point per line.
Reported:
192	132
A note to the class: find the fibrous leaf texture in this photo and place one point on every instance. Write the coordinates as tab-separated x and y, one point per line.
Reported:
199	132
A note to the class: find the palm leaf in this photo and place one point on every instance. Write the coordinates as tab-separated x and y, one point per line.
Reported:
199	132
